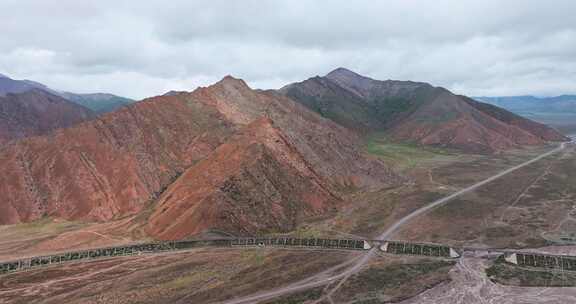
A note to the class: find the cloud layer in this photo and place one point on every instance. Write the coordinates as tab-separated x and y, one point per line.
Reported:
144	48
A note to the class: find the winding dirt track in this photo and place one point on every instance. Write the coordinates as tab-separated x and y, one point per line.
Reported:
323	279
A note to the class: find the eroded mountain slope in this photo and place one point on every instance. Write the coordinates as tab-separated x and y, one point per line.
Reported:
119	163
254	182
110	166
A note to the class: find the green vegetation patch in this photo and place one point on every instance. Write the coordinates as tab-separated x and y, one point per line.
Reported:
403	155
45	225
387	108
308	232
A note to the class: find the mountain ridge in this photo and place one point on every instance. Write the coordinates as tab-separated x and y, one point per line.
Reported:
416	112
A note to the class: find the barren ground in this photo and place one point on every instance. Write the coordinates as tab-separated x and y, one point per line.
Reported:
199	276
470	285
529	208
532	207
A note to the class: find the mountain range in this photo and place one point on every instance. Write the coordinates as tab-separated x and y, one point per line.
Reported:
97	102
29	108
36	112
532	105
417	112
559	111
230	158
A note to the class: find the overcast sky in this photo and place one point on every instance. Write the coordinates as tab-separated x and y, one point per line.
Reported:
144	48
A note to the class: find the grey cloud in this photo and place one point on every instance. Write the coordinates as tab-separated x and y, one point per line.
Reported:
143	48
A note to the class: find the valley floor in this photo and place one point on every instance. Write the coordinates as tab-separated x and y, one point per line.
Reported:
532	207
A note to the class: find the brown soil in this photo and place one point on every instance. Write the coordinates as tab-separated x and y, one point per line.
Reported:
193	277
516	211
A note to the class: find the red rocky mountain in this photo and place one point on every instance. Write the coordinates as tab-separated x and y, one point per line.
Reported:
285	163
222	157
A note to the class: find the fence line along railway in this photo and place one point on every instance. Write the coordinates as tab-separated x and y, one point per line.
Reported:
390	247
432	250
536	260
167	246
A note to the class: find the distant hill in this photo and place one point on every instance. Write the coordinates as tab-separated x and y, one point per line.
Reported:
559	111
36	112
558	104
417	112
9	85
97	102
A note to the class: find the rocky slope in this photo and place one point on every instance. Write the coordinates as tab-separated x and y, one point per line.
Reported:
108	167
416	112
37	112
250	151
254	182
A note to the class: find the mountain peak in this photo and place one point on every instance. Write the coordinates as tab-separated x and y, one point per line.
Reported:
174	92
228	79
343	75
230	82
352	81
343	72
